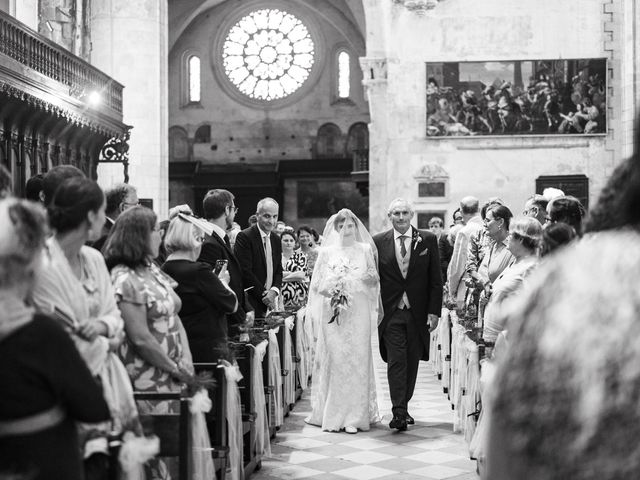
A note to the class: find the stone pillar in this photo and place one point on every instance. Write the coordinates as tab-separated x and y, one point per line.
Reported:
130	44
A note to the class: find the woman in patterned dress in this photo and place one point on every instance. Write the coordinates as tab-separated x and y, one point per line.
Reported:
294	272
156	351
307	239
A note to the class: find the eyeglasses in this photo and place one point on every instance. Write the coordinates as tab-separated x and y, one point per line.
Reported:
404	213
199	238
234	208
530	212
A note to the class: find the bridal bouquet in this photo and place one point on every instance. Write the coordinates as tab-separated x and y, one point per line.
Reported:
341	275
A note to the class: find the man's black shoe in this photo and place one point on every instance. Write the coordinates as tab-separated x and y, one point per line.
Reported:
410	420
399	423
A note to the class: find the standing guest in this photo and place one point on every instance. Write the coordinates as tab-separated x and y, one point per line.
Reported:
294	272
536	207
523	242
445	249
253	220
219	210
76	289
307	238
280	227
33	188
554	236
156	351
411	292
456	274
479	245
55	177
458	218
206	299
499	257
567	210
47	385
119	198
259	253
162	251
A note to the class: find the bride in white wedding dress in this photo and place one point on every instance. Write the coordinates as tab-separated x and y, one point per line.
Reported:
343	303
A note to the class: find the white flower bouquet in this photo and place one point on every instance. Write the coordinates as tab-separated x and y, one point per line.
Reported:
342	277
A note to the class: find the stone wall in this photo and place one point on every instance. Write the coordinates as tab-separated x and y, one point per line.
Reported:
400	42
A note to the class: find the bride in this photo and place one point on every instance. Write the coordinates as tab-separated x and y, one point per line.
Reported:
343	303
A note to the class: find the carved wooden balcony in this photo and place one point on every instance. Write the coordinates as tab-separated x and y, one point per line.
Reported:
44	74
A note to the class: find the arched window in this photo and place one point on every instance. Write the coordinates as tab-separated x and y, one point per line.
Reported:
193	74
329	142
344	75
358	146
203	134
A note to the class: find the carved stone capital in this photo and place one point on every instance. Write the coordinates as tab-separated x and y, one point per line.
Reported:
374	72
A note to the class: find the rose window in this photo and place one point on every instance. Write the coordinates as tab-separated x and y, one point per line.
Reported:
268	54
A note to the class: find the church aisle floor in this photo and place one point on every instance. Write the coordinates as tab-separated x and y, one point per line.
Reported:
428	450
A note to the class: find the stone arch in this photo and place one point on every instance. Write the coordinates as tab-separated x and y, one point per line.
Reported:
329	142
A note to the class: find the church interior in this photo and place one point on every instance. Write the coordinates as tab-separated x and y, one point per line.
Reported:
324	105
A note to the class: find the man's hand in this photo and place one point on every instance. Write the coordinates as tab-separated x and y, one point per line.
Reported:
433	321
269	298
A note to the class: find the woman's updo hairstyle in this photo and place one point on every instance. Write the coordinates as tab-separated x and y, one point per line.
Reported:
72	201
554	236
500	211
21	240
528	231
567	210
290	233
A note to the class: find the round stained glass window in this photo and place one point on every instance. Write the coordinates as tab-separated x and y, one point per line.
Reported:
268	54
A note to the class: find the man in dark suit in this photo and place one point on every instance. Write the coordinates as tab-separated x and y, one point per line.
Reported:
445	249
411	290
118	198
259	252
220	210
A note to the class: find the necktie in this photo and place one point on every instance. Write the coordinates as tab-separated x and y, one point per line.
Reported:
403	247
269	258
227	242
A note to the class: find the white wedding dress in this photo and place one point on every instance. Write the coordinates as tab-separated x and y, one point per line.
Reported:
344	390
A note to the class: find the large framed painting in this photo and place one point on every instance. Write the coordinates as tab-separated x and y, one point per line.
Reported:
519	97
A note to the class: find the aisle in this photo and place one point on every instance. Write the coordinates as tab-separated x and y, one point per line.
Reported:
428	449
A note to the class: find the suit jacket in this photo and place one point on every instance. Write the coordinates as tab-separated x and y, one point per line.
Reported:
205	303
249	251
423	284
446	251
214	248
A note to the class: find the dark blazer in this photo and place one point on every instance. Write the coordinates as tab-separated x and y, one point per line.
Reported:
446	252
423	283
214	248
205	303
249	251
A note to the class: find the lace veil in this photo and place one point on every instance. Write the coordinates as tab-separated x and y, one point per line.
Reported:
342	230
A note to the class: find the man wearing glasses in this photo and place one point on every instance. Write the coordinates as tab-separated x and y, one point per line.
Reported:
536	207
118	198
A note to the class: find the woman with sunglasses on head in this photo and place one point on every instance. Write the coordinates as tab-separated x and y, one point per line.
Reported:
206	298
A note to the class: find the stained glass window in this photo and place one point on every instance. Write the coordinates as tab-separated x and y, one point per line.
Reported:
343	75
268	54
194	79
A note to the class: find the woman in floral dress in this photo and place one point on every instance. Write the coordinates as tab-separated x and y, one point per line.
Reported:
156	352
294	272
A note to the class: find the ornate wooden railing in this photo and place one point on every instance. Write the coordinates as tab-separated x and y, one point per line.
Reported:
20	43
361	160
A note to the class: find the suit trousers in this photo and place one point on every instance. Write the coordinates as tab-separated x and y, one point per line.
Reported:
404	348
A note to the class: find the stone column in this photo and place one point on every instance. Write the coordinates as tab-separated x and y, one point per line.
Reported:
130	44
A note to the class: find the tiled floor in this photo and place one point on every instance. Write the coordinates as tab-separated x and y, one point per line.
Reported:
428	450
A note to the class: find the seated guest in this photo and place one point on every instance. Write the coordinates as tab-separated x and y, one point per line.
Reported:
294	272
47	386
523	242
76	289
567	209
554	236
156	350
119	198
307	239
206	299
567	389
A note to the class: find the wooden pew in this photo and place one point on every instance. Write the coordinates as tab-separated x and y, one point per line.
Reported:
173	430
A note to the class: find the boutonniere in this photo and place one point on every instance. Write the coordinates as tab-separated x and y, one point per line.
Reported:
416	239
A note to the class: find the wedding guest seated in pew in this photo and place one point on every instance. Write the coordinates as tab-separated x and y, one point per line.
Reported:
156	351
75	288
294	272
206	298
567	389
47	386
